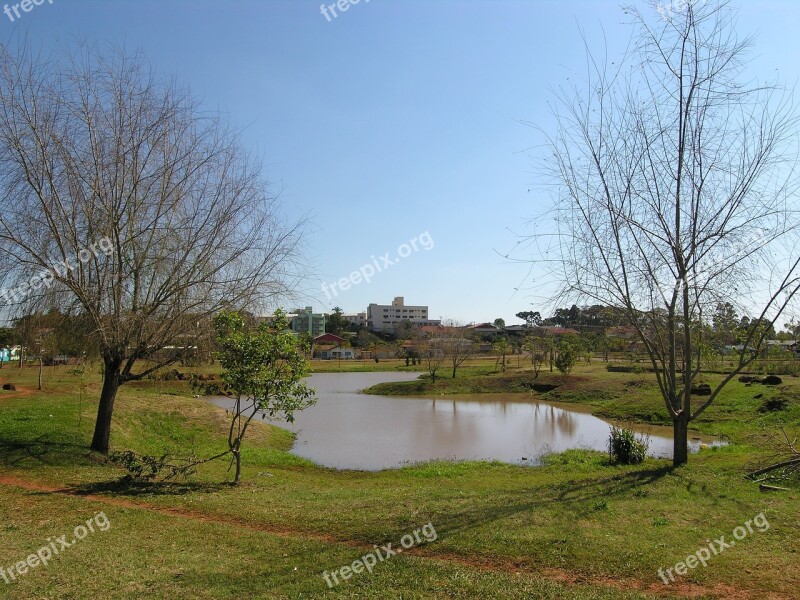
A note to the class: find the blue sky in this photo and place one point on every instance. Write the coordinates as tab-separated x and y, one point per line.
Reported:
395	118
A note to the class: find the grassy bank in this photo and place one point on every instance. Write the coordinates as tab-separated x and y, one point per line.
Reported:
574	528
617	395
470	380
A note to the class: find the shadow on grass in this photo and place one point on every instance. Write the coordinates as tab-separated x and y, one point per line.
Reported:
125	486
43	451
573	494
494	513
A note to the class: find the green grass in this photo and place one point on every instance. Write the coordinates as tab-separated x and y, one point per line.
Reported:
469	380
573	528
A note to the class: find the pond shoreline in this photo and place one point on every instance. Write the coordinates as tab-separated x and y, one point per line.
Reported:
577	392
637	425
351	430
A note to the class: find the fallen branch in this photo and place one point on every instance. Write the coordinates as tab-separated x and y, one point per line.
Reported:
772	488
786	463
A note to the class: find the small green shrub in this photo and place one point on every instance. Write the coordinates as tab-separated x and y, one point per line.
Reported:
625	448
566	359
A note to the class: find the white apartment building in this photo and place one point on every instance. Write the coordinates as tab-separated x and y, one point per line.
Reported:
359	319
384	317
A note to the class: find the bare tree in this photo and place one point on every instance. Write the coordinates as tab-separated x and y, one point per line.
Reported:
457	345
535	347
128	205
674	186
432	354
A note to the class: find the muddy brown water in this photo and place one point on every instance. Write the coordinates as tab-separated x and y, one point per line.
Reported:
349	430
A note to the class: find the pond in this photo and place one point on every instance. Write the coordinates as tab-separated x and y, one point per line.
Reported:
349	430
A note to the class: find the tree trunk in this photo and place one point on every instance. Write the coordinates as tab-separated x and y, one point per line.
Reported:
680	437
238	475
102	427
40	370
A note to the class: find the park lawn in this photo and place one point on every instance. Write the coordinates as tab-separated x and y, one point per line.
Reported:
574	528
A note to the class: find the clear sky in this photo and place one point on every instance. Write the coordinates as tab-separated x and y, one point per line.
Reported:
394	120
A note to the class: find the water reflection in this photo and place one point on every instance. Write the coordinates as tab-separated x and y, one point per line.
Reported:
349	430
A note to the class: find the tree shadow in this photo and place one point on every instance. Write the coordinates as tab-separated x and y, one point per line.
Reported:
570	494
125	486
43	451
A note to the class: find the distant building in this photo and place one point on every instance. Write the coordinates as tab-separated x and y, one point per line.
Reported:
9	354
517	330
328	346
385	317
486	329
305	320
358	319
337	352
625	332
551	331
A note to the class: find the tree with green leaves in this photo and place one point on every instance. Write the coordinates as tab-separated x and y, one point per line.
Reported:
567	357
502	347
336	323
532	318
726	323
365	339
264	367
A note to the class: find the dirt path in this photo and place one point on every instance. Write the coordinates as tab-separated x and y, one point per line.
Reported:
20	392
169	511
686	590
